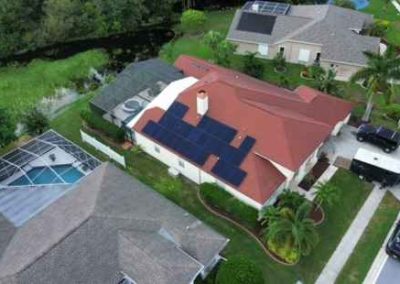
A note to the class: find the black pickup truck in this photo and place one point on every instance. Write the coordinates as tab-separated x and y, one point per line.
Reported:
388	140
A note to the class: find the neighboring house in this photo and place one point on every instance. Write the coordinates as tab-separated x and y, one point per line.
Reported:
327	35
135	87
252	138
110	228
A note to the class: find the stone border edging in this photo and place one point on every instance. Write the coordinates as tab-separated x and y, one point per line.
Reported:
251	234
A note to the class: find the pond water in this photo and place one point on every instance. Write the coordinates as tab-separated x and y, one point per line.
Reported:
122	48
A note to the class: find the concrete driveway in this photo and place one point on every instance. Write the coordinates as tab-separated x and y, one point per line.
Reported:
346	145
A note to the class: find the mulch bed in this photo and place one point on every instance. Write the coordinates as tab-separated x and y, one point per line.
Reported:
314	174
317	214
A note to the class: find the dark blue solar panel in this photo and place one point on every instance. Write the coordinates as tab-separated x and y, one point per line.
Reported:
247	144
217	129
178	109
229	173
198	143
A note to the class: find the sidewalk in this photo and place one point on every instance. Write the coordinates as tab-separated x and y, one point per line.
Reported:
350	239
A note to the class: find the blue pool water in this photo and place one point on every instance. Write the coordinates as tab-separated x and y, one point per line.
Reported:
360	4
43	175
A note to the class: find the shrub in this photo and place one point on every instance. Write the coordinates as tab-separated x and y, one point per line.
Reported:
252	66
378	28
279	62
392	111
95	121
345	4
239	270
286	252
7	127
192	21
168	186
220	199
35	121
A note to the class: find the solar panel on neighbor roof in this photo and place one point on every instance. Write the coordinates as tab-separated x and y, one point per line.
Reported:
256	23
266	7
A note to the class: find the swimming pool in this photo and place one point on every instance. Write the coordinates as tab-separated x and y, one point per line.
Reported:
360	4
45	175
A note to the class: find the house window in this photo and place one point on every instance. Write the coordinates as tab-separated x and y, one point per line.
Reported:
157	149
263	49
282	50
304	55
181	163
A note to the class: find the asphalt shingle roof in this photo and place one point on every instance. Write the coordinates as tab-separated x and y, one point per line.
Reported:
326	25
135	78
110	223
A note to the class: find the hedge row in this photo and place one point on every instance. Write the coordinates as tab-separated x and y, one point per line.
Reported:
220	199
95	121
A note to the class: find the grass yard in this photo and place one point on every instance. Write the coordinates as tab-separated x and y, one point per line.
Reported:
183	193
385	10
371	241
24	86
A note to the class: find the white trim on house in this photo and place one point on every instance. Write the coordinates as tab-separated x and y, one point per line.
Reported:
166	98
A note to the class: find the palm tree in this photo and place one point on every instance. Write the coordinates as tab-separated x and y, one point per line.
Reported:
327	193
294	228
326	82
379	74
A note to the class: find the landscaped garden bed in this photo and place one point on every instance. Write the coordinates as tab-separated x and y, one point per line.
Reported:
315	173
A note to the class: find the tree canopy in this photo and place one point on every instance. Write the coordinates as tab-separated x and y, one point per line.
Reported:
7	127
27	24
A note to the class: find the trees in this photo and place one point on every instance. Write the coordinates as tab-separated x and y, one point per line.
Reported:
192	20
326	83
35	122
327	193
380	72
293	228
7	127
222	49
239	270
252	66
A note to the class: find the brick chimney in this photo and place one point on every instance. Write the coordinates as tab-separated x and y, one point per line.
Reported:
202	102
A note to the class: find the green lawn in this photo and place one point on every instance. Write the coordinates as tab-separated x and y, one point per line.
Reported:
371	241
23	86
383	9
153	173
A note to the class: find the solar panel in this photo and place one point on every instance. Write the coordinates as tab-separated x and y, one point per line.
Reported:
256	23
229	173
197	143
266	7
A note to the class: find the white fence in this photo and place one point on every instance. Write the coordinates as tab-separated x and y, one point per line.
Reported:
103	148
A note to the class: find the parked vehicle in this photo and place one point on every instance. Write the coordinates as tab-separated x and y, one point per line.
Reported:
388	140
393	245
372	166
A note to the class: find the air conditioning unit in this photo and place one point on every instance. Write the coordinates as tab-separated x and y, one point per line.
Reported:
173	172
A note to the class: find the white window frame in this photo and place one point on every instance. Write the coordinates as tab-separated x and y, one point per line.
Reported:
263	49
304	55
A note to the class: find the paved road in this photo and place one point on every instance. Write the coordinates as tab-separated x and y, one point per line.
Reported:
390	273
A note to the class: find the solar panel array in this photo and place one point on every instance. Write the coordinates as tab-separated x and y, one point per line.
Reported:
266	7
197	143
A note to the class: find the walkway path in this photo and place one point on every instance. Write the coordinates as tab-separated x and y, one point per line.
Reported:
350	239
396	5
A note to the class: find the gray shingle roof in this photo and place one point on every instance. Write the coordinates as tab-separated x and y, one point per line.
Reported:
327	25
110	223
135	78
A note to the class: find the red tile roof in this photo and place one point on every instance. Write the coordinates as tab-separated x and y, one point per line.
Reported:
288	125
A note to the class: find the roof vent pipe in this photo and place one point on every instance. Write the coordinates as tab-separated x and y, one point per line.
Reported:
202	102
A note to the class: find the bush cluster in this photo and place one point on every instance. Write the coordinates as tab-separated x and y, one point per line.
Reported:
239	270
222	200
96	122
